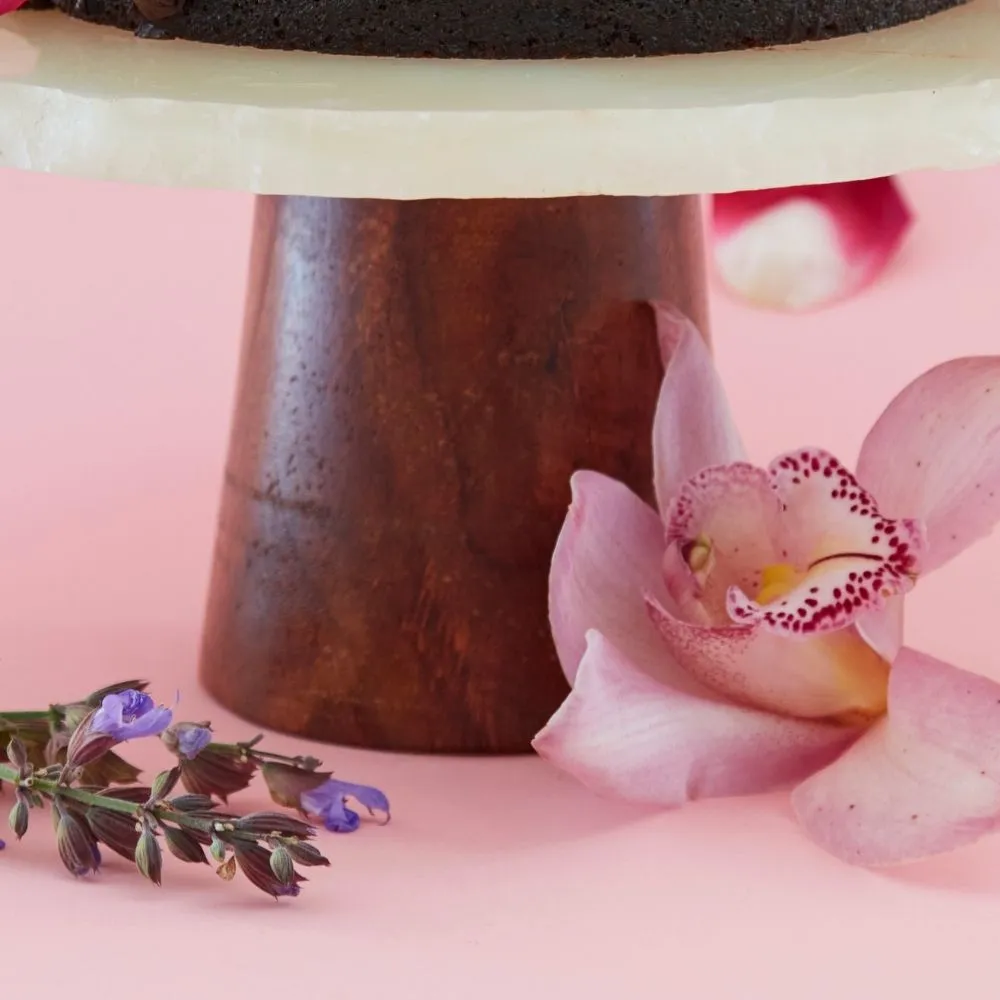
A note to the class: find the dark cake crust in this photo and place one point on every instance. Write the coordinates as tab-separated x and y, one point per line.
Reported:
511	29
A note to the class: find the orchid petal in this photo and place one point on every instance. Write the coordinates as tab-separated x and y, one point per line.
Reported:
621	733
924	780
693	427
9	6
731	514
882	629
853	559
608	555
835	675
935	454
802	247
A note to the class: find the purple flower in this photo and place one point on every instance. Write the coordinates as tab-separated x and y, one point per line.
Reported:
191	739
129	715
328	803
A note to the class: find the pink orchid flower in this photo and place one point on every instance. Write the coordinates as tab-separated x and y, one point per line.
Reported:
800	248
750	634
9	6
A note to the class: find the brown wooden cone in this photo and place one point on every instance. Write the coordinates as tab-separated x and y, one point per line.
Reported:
418	382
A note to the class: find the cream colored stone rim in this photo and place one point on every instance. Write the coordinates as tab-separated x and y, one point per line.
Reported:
92	102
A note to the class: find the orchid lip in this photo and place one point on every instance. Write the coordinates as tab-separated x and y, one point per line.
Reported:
845	555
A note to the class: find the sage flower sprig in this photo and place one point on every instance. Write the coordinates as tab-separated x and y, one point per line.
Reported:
65	758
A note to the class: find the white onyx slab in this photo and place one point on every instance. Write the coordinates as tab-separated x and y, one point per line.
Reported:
94	102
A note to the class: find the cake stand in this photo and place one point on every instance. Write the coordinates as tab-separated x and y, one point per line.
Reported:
447	314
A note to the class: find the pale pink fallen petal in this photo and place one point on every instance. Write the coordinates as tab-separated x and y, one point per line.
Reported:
934	454
623	734
730	513
924	780
693	427
608	556
800	248
853	559
833	675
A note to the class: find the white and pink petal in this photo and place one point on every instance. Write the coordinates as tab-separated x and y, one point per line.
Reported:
622	734
924	780
800	248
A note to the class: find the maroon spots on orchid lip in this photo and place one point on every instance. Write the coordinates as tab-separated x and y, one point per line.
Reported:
839	594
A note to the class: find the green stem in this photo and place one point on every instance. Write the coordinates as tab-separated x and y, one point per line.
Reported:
21	717
52	789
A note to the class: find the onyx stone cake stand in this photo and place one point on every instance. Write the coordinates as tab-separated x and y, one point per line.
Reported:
448	314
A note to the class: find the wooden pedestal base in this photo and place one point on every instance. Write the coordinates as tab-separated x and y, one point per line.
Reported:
418	382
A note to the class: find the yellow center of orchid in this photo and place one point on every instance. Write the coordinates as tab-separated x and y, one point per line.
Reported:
776	581
862	675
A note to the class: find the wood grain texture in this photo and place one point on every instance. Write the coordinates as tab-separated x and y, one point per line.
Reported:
418	382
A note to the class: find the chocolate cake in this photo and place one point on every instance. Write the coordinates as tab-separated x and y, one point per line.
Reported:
502	29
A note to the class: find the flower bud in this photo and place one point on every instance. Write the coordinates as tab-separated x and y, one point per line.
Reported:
17	754
148	856
86	745
19	817
115	830
193	803
164	783
76	844
305	854
218	849
274	824
282	865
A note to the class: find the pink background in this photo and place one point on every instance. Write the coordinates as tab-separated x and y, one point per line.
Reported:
120	326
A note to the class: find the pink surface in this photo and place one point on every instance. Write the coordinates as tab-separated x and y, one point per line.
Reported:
496	878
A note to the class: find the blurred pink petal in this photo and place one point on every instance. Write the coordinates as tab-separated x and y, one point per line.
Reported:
934	454
923	780
800	248
693	427
622	733
8	6
834	675
852	558
607	557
